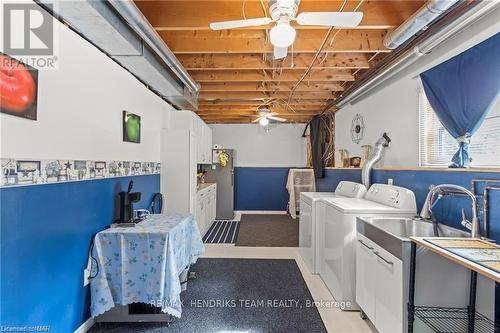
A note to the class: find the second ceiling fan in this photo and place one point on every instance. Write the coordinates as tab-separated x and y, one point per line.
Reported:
282	35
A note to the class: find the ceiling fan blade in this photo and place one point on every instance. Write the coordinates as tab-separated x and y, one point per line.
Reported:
240	23
258	119
280	52
336	19
276	118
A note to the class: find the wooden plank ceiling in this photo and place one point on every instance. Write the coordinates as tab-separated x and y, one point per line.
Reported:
235	67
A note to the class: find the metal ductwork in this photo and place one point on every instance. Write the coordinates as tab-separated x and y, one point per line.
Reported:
120	30
482	11
380	146
418	21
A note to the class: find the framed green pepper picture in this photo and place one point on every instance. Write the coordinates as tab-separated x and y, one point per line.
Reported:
131	127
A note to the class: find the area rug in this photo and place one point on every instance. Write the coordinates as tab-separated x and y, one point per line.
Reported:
239	295
268	230
222	232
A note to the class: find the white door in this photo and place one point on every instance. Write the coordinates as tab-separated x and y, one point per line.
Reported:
389	294
365	279
306	248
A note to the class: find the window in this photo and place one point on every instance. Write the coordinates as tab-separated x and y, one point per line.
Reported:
437	146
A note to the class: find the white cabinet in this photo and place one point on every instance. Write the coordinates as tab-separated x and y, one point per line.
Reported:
365	283
207	144
184	144
379	286
205	207
389	292
200	216
203	142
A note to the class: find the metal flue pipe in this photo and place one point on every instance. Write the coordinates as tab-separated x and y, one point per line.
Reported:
380	146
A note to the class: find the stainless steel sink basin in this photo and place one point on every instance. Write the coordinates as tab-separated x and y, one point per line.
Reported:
394	233
406	228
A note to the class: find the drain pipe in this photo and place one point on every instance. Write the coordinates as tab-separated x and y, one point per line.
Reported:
418	21
134	17
380	146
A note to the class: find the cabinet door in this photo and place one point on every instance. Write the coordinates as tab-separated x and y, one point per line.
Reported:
365	280
214	206
205	143
208	211
209	144
199	216
389	294
199	140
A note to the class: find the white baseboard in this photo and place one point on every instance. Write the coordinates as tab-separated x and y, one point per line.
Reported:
268	212
85	326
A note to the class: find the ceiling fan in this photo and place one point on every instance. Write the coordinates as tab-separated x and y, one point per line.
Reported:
265	116
282	34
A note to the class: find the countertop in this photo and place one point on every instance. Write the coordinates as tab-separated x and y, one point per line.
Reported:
201	187
478	255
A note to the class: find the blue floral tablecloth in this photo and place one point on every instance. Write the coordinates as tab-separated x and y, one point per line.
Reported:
143	264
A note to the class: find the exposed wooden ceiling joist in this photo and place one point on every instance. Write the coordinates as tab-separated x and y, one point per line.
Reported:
169	15
347	41
285	75
253	61
269	87
258	96
236	69
252	108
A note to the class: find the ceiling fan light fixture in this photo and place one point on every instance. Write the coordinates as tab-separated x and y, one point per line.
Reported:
282	34
263	121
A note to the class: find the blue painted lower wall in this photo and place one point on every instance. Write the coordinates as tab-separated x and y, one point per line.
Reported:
264	189
45	237
260	188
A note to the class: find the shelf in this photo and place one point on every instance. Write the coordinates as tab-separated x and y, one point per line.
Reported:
452	320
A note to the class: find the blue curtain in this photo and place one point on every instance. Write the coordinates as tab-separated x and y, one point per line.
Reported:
462	91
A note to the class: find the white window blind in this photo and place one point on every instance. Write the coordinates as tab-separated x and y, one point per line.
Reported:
437	146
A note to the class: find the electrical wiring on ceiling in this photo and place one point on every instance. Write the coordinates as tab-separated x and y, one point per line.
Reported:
318	52
325	39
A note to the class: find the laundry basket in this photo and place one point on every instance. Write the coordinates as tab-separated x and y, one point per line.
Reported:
299	180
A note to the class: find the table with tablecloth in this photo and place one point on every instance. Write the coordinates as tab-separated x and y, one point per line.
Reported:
143	263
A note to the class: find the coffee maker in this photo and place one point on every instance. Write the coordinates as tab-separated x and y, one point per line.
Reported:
126	207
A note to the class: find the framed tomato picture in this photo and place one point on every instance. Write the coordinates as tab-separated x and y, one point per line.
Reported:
131	127
18	88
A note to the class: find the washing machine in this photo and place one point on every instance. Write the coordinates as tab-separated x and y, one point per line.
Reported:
310	214
336	255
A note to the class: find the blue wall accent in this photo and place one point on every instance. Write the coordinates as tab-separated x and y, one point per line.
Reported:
448	210
332	179
264	189
46	232
257	188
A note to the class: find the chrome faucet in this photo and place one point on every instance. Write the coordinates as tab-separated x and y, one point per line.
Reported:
444	189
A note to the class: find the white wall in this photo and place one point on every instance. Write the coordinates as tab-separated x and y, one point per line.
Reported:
80	108
394	108
282	146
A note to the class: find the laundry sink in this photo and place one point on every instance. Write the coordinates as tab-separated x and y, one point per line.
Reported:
406	228
393	234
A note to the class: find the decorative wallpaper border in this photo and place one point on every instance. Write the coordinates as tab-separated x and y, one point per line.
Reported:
17	172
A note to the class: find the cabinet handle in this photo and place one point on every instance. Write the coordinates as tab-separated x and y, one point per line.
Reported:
386	261
362	243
